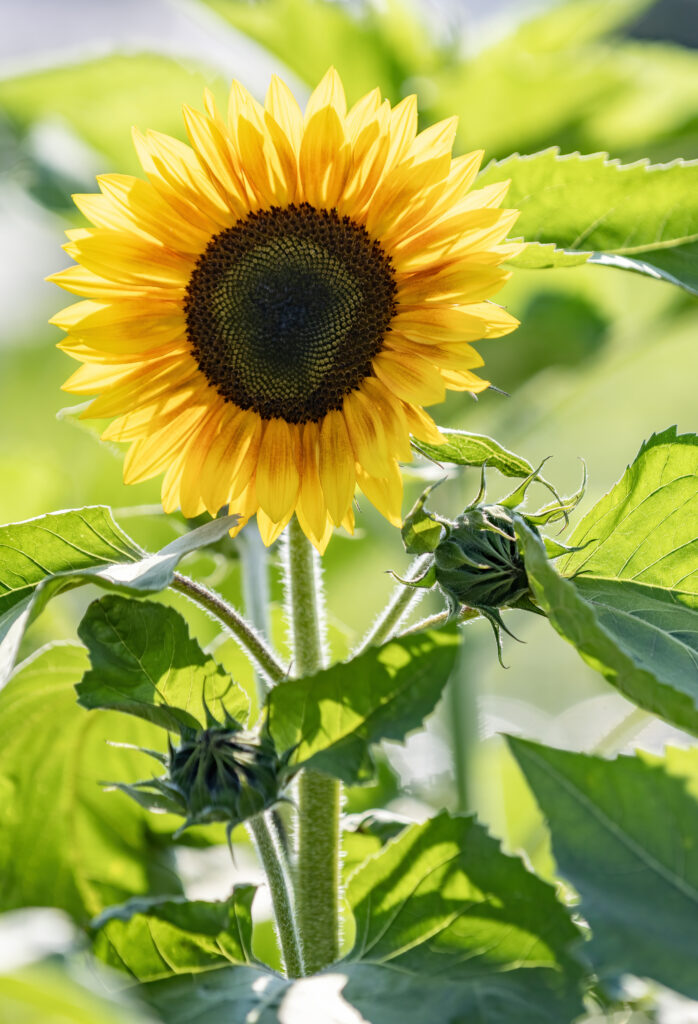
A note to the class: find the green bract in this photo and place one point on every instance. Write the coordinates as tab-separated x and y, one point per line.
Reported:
477	558
218	774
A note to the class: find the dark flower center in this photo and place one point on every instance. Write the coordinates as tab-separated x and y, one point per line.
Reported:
286	310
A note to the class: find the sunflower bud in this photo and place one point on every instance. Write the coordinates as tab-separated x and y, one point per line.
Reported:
478	563
220	773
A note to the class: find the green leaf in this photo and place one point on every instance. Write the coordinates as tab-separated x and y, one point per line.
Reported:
155	939
63	841
442	899
228	996
145	663
331	718
379	994
56	552
45	994
644	529
636	216
625	834
464	449
640	638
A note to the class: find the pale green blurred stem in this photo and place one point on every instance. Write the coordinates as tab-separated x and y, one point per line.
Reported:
402	601
280	887
255	589
620	735
319	796
252	642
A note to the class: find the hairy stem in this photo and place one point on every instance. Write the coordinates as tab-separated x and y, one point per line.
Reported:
440	619
252	642
402	601
280	887
319	796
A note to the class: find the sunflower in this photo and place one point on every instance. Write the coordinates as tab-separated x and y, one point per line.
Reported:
268	313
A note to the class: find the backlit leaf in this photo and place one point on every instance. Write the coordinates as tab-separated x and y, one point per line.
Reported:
636	216
330	719
145	663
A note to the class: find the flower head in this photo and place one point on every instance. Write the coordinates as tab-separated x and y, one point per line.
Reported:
269	312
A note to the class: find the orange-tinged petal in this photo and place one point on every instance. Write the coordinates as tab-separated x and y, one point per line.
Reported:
459	282
311	502
214	153
366	433
336	465
393	417
277	475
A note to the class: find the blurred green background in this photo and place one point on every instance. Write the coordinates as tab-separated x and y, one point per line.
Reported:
602	359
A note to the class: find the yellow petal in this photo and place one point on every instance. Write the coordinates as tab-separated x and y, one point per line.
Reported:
216	157
311	509
366	433
319	540
336	465
329	93
393	417
422	425
268	529
284	109
410	377
385	493
152	455
325	159
277	476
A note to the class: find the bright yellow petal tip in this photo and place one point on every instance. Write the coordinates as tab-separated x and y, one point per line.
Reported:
267	311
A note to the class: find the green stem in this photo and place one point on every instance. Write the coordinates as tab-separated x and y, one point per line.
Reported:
255	589
246	635
319	796
440	619
403	600
280	888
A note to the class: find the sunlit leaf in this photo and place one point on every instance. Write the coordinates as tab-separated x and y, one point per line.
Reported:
145	663
44	556
625	834
442	899
155	939
465	449
634	216
330	719
643	640
644	529
63	841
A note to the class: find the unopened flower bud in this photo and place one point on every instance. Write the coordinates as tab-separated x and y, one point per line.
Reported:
478	563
